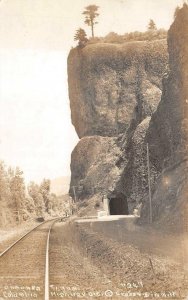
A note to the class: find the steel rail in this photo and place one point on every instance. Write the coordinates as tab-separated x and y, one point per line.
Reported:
22	237
47	266
47	262
47	283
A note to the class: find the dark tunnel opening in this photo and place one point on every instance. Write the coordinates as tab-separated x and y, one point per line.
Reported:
118	205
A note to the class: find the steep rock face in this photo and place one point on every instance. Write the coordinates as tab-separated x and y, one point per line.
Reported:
169	201
117	89
93	165
114	89
114	85
134	179
168	131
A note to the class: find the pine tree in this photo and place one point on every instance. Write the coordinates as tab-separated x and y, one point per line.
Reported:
81	37
152	25
91	14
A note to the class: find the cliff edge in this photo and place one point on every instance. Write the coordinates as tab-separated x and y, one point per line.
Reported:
122	98
113	90
112	85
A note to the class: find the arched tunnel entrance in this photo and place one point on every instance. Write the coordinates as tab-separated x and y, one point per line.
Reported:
118	204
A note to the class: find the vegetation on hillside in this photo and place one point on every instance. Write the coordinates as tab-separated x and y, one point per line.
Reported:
113	37
18	203
81	37
91	13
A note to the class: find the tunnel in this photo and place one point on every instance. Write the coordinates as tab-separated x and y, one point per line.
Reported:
118	204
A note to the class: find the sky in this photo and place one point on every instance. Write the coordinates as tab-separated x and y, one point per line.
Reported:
36	133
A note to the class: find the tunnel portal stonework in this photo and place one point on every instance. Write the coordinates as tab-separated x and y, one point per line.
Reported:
118	204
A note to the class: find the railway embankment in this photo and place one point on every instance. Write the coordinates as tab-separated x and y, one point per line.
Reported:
116	263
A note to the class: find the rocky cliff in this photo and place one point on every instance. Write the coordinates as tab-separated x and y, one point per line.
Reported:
168	130
114	90
111	86
117	109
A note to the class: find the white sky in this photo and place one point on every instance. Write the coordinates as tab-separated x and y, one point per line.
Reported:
35	37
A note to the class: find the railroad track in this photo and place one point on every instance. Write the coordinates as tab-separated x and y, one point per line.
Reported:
24	265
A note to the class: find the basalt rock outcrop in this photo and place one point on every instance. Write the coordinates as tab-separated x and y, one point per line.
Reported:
117	109
114	90
111	86
168	129
93	165
167	134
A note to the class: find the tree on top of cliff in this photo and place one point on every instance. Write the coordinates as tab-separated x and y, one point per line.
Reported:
81	37
152	25
91	14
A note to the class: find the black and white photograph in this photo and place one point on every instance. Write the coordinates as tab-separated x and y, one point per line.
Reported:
93	149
